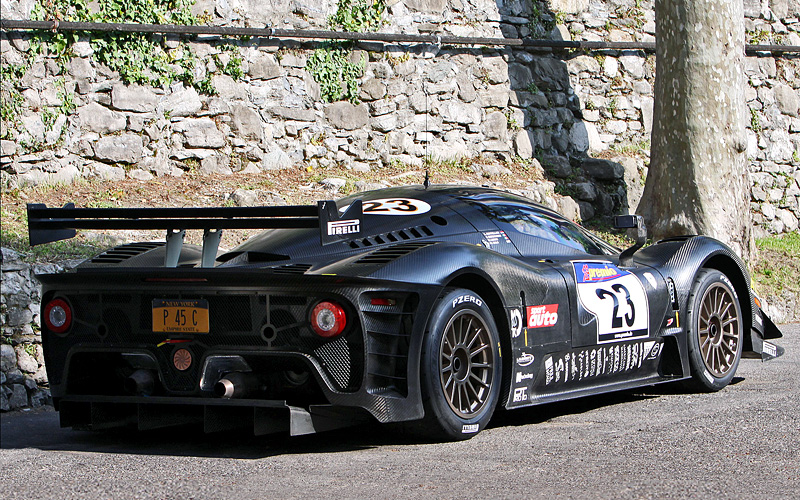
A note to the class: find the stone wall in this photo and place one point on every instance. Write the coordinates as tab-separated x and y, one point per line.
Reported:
586	116
416	100
23	379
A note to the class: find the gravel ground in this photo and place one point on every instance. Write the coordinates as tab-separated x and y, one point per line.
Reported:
654	443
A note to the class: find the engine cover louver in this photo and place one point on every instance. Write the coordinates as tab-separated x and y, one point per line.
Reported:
124	252
411	233
291	269
388	254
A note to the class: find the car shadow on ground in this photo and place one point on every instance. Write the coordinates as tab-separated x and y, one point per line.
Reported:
40	429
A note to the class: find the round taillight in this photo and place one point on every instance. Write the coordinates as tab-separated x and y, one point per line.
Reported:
57	316
328	319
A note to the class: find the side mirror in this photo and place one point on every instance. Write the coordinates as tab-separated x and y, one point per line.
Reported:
631	222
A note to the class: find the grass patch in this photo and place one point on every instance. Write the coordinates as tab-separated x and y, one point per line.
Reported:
14	235
48	252
778	266
788	243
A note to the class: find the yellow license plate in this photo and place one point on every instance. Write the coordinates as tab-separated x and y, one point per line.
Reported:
180	316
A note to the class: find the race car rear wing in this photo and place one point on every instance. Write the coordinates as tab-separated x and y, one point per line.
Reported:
46	225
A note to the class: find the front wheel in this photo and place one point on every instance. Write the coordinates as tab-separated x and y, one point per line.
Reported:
460	366
715	331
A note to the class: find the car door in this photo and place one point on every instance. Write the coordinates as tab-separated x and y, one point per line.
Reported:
612	313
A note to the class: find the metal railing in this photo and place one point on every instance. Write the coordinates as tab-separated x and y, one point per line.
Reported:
279	34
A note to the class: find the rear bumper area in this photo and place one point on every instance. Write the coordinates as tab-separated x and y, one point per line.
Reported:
112	367
149	413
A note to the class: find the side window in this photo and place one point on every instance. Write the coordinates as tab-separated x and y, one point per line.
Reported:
539	225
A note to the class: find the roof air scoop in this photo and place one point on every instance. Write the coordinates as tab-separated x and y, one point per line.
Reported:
631	222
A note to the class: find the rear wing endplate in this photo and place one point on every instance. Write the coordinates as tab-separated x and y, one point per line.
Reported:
46	225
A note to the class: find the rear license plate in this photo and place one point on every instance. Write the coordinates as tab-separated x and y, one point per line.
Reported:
180	316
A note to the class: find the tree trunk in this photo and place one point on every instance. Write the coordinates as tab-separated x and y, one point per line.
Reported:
698	181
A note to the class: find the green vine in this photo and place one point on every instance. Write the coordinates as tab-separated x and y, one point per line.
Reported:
510	120
358	15
330	66
10	97
137	57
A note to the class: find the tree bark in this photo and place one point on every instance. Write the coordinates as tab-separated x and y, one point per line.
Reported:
698	182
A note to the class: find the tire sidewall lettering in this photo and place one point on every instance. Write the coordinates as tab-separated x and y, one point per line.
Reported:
452	303
466	299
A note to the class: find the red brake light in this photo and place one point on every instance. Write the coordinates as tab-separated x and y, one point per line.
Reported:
328	319
380	301
58	316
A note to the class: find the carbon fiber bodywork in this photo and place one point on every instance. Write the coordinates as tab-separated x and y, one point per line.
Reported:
549	285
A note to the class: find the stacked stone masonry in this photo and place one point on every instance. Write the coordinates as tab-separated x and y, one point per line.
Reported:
415	100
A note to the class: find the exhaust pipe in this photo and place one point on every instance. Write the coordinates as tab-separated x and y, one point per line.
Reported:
141	382
236	385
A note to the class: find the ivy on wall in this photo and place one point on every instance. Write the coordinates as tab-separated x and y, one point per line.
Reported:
358	15
138	58
331	65
336	74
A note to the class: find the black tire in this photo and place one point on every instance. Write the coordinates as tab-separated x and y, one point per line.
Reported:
715	330
460	367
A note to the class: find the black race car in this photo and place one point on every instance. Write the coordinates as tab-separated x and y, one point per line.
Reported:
425	305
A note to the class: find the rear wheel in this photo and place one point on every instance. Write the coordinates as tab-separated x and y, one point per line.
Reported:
715	331
460	367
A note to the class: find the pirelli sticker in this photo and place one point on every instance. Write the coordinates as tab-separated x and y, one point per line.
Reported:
343	227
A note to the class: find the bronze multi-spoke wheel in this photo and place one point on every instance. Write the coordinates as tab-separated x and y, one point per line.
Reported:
460	367
715	340
467	363
719	329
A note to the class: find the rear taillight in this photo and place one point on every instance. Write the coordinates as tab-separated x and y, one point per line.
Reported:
58	316
328	319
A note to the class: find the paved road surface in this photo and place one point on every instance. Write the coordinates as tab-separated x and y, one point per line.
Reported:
743	442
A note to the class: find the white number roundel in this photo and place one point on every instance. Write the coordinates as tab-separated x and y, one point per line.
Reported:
395	206
615	297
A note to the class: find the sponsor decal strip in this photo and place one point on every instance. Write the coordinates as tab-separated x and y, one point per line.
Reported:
590	363
492	238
